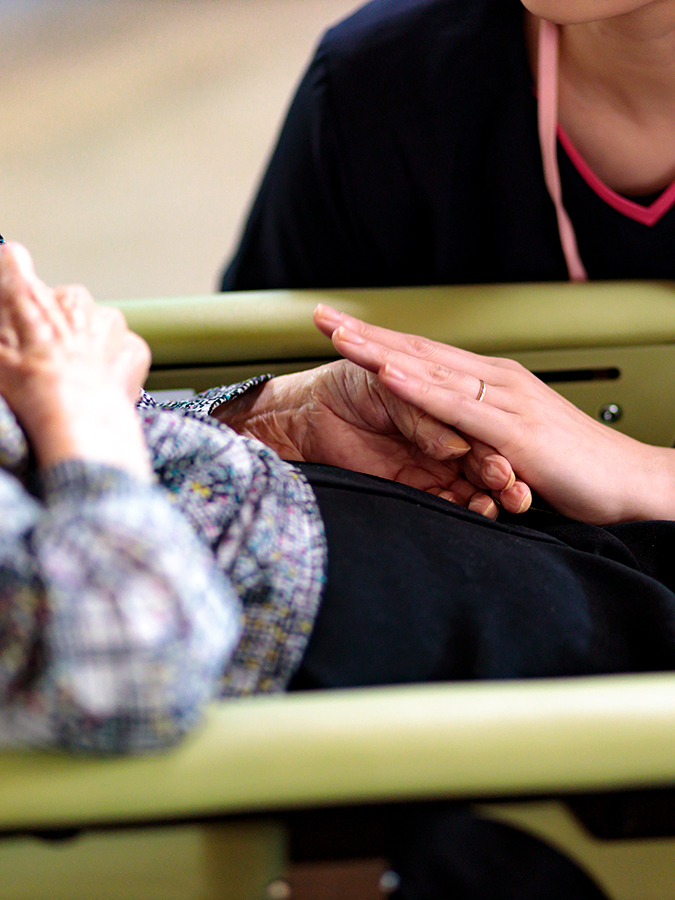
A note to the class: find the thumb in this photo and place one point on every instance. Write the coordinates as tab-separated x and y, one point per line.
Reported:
434	438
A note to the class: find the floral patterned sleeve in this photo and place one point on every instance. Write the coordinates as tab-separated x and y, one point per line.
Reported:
262	520
203	404
115	623
125	605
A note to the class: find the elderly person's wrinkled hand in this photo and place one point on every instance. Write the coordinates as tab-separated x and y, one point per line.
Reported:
70	370
341	414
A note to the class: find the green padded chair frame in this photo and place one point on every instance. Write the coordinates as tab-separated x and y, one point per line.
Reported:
218	815
601	344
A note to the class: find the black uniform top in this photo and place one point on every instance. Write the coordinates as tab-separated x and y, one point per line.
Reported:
410	156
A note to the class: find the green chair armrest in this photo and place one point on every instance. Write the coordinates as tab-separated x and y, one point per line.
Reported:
263	325
270	753
602	345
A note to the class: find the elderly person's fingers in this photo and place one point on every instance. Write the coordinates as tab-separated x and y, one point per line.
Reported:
16	267
517	498
469	496
133	363
76	303
126	354
69	370
29	312
63	327
484	467
433	437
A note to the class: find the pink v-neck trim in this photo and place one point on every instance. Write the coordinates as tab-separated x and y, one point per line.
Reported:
646	215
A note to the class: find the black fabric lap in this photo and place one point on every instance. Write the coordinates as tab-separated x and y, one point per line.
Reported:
420	589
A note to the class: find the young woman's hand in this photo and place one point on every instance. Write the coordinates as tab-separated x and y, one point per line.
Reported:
583	468
69	370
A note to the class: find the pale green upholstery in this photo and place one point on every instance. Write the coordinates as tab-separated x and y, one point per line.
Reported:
212	817
604	329
268	755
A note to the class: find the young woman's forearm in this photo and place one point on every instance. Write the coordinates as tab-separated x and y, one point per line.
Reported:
653	490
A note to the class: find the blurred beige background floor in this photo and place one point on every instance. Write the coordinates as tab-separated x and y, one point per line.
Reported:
133	132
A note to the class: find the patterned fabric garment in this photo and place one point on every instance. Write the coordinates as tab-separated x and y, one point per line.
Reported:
121	602
261	519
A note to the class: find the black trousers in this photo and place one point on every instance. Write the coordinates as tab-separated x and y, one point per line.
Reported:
421	590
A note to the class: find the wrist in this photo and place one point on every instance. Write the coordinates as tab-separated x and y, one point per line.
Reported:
97	425
275	413
655	484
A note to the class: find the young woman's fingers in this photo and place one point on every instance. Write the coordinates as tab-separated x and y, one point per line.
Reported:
373	356
468	415
409	345
328	320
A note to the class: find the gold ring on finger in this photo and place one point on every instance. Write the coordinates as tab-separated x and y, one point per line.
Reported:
481	391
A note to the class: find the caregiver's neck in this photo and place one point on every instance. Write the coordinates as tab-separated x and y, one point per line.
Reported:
617	94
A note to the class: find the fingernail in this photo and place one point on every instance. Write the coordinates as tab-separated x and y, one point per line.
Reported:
493	472
393	373
489	509
525	505
453	441
350	337
328	314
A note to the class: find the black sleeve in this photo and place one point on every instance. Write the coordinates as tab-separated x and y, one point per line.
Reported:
401	159
301	231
